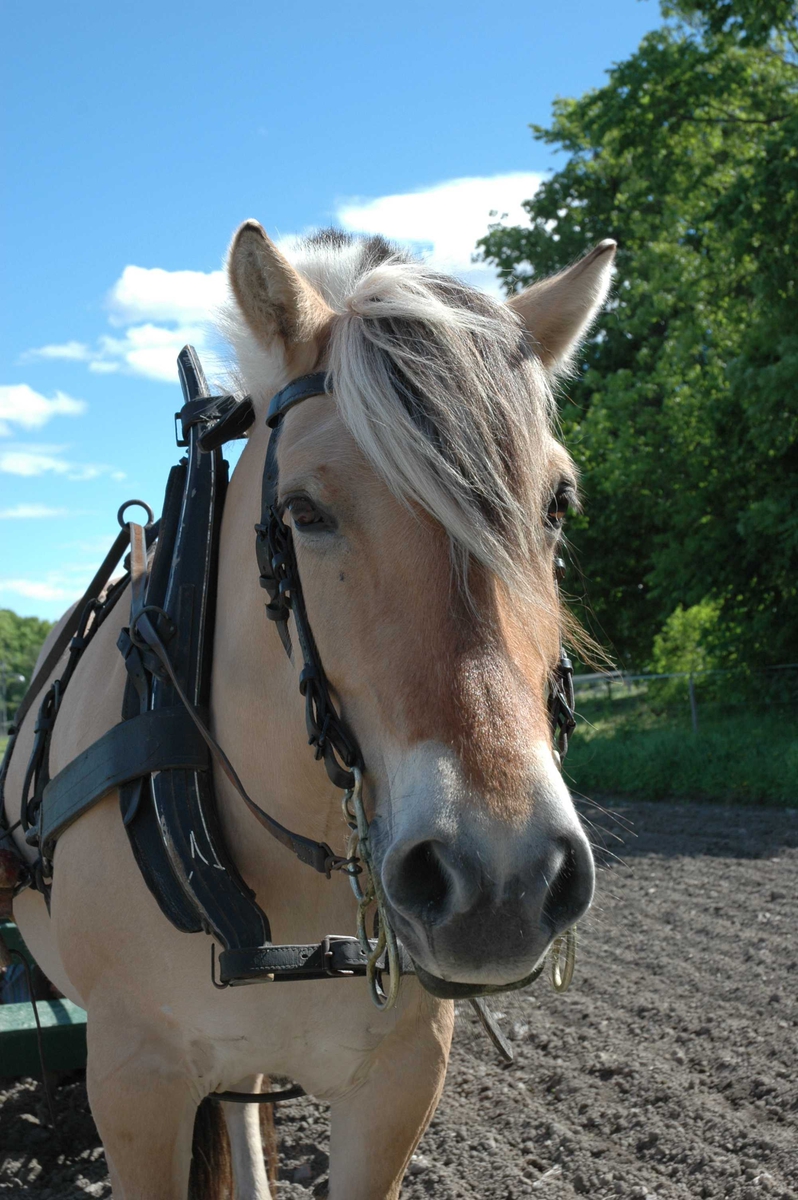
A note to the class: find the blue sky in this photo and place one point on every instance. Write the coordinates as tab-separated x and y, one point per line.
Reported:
136	137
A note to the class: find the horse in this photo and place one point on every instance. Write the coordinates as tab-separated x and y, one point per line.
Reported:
425	493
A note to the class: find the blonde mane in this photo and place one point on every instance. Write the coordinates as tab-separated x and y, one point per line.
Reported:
442	391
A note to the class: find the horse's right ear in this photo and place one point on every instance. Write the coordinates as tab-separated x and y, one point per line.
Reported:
277	303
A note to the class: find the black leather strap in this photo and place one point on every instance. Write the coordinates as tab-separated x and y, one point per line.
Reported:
223	418
135	798
289	1093
180	804
234	424
333	958
315	854
152	741
69	629
445	989
299	389
327	731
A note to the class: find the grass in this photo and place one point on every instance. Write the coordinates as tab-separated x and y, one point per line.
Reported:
626	747
743	753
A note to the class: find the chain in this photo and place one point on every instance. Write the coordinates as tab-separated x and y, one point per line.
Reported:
367	887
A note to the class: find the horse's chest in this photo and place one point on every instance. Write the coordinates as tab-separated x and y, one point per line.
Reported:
322	1035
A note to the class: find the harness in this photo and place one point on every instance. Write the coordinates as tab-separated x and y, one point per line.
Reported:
160	754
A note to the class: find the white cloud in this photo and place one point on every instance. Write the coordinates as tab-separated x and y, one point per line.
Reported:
444	222
30	460
39	589
152	294
77	351
156	312
23	406
30	512
151	350
55	589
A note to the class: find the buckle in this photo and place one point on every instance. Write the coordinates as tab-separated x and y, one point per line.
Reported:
327	953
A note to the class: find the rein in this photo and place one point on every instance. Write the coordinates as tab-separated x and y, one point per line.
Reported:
159	756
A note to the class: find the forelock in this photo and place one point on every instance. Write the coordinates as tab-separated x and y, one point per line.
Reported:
440	387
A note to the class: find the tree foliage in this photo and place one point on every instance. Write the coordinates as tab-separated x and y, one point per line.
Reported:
685	641
21	640
683	415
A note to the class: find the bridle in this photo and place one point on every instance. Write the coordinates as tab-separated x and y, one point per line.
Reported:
328	733
164	743
279	575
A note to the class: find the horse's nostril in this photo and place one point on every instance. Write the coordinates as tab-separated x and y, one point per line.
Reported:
421	885
431	885
571	890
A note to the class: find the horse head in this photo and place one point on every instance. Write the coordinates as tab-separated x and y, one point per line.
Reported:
425	494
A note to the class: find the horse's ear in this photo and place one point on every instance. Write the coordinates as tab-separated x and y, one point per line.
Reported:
559	311
278	304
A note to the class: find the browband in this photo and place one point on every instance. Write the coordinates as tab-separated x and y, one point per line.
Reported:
300	389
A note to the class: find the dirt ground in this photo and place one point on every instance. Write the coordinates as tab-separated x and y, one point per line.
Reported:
669	1071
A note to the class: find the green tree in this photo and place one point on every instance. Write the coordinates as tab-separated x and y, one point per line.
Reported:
21	640
683	414
685	641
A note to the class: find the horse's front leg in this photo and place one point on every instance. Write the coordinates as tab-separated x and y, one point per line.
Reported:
144	1105
377	1125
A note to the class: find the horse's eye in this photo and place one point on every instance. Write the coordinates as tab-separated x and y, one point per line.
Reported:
305	515
558	507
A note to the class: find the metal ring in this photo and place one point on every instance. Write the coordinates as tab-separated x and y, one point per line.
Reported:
133	504
563	960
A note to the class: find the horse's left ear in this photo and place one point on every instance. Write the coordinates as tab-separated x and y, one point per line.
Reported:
559	310
279	305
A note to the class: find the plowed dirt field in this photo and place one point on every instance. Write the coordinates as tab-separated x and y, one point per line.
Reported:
669	1071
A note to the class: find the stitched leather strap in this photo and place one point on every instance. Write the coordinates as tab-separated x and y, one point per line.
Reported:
153	741
299	389
333	958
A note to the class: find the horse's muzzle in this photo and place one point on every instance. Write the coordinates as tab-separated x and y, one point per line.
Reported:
483	915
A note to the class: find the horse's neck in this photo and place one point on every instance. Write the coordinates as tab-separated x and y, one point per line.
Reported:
258	717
